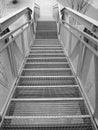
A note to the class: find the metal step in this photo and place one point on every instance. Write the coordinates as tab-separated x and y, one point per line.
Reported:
47	92
46	81
49	46
47	65
45	55
46	35
30	60
46	51
47	108
57	123
46	48
46	72
46	42
46	25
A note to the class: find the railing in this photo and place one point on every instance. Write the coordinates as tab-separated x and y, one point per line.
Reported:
16	36
79	36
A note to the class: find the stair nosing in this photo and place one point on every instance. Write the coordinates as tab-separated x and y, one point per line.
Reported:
47	69
47	76
52	86
48	63
40	117
48	99
47	58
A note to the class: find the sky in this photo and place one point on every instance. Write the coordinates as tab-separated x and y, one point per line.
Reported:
95	3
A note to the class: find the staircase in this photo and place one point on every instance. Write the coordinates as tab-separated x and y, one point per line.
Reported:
47	95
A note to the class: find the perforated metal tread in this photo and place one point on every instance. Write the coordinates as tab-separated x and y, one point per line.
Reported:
30	60
48	124
47	72
46	81
46	35
46	48
47	42
47	92
45	55
47	65
47	108
47	51
46	25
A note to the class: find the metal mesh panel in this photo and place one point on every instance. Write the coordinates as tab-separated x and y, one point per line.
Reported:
47	73
47	51
46	65
46	55
47	60
44	81
48	124
49	25
47	108
46	48
45	42
46	35
47	92
46	25
46	45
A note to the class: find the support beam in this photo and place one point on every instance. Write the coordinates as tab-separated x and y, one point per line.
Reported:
96	87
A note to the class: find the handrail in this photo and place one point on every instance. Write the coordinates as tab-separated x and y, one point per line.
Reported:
83	19
8	20
2	38
94	40
9	34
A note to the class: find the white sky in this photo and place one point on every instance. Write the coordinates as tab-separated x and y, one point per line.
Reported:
95	3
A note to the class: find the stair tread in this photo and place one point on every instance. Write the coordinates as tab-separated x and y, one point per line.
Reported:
47	108
56	92
73	123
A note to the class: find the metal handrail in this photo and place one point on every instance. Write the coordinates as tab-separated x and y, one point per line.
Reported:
8	20
94	40
83	19
10	34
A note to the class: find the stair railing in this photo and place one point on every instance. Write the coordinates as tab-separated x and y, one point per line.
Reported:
79	36
16	36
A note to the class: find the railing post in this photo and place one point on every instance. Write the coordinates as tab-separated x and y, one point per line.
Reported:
96	87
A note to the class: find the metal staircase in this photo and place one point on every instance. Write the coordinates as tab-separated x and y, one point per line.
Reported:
47	95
